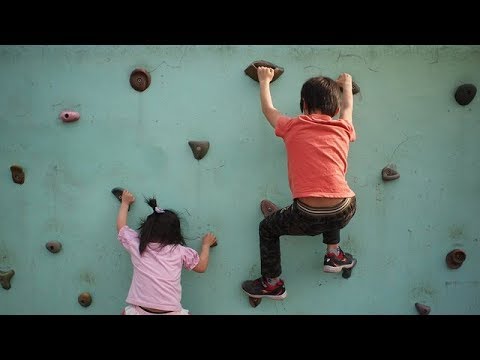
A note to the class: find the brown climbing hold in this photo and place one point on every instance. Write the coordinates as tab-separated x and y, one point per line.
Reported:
18	175
5	277
251	70
53	246
69	116
254	302
355	88
389	173
140	79
267	207
465	94
199	148
455	258
422	309
85	299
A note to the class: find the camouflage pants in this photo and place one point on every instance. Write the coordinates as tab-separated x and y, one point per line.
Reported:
300	219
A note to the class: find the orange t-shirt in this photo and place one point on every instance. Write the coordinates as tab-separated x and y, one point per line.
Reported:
317	150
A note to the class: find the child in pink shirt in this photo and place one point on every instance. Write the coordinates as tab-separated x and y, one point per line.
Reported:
317	149
158	253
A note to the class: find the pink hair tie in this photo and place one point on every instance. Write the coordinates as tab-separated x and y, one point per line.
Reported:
159	210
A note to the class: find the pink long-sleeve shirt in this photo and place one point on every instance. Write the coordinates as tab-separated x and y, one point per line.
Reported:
157	272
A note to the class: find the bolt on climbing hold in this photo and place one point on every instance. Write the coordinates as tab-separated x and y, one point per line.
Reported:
69	116
251	70
355	88
85	299
18	175
53	246
117	192
199	148
140	79
267	207
422	309
465	94
390	173
5	277
455	258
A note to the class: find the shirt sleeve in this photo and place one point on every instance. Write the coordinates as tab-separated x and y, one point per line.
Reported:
352	133
190	258
282	126
128	237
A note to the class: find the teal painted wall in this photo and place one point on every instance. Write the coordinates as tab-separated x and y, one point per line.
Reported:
405	114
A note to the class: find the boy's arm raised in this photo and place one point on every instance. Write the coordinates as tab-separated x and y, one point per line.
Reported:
346	110
265	75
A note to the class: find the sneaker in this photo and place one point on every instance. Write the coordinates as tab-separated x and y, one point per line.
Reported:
259	288
333	263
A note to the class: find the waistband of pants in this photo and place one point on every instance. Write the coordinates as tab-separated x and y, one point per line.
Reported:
323	210
154	312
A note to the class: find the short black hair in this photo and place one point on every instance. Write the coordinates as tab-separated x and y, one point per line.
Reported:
320	93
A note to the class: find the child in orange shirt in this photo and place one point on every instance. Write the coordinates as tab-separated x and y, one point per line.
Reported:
317	150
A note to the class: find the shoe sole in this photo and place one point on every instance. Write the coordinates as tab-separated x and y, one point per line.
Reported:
337	269
273	297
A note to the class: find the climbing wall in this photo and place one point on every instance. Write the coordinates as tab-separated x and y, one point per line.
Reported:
184	123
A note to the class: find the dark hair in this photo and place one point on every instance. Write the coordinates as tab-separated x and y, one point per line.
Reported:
162	228
320	93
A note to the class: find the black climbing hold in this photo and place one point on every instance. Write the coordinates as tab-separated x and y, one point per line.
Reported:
355	88
389	173
465	94
117	192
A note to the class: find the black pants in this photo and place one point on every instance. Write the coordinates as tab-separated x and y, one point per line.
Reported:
300	219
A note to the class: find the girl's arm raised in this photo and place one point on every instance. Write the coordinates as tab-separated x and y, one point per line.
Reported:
127	199
209	240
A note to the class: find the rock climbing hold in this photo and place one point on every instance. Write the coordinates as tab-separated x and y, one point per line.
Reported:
465	94
422	309
118	191
267	207
85	299
69	116
53	246
390	173
18	175
455	258
199	148
355	88
140	79
5	277
251	70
